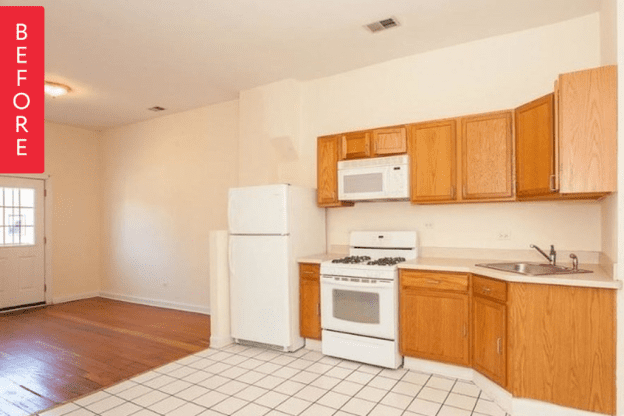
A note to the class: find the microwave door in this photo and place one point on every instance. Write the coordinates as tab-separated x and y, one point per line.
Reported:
362	183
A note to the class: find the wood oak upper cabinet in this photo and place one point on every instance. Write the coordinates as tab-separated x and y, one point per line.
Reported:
489	328
434	312
562	345
486	156
355	145
535	148
389	141
328	153
433	161
309	301
587	130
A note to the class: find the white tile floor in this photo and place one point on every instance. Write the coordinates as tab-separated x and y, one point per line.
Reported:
249	381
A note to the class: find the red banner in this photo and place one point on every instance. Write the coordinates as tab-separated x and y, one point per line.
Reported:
21	89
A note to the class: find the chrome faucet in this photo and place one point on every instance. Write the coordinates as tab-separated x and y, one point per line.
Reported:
574	261
552	257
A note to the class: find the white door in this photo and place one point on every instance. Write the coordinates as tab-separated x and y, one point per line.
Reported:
259	289
259	210
21	242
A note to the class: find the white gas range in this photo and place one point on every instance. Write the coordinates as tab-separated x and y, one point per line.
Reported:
359	297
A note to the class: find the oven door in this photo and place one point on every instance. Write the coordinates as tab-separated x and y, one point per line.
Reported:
359	306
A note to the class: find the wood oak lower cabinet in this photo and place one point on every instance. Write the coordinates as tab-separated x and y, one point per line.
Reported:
309	301
433	312
489	328
562	345
543	342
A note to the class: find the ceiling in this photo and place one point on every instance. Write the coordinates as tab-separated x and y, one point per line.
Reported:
121	57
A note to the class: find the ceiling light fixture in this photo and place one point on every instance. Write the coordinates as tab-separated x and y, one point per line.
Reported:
55	89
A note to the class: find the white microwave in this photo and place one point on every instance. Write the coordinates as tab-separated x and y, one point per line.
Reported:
374	178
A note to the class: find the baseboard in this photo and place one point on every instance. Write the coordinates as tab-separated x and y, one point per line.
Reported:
77	296
220	342
528	407
313	344
434	367
501	397
157	302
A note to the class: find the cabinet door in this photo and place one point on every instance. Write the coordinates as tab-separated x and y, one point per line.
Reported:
389	141
489	345
587	117
434	325
535	147
328	150
356	145
562	346
487	156
433	161
309	301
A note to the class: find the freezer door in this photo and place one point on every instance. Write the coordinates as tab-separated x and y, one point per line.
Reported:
259	289
258	210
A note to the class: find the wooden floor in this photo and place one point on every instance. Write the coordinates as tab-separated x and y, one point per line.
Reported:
57	353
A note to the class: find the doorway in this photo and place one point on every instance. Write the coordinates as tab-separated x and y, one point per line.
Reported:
22	258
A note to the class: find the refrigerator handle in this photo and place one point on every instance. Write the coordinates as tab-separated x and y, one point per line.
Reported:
230	263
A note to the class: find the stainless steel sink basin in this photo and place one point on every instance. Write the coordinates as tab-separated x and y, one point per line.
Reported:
532	269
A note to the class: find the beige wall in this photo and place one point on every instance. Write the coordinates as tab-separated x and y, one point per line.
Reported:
608	54
73	159
165	186
492	74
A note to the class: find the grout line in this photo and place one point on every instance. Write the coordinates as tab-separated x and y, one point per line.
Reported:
278	355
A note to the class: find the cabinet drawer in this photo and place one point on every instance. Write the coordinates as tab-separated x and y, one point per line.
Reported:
309	271
489	288
434	280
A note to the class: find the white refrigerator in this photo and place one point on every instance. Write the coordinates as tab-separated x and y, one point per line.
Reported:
270	227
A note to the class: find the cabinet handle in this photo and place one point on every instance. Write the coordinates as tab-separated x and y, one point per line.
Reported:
433	282
318	310
499	345
486	289
465	330
551	183
452	192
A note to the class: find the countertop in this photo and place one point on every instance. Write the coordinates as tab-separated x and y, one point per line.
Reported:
599	278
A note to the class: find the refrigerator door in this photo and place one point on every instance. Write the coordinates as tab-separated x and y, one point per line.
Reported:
259	210
259	289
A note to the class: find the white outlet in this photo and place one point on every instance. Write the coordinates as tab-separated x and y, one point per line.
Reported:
429	225
504	235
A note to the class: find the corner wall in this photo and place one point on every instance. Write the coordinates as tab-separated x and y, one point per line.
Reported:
165	187
73	159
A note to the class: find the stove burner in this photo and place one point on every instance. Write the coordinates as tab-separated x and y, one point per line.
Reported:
387	261
352	259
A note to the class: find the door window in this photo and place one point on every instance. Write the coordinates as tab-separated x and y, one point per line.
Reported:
17	216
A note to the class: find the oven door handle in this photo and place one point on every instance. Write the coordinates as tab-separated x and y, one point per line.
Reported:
380	285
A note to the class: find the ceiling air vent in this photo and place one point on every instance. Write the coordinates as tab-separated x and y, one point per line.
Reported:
382	25
156	108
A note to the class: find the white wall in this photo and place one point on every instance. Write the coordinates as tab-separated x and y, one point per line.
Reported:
492	74
73	159
165	187
609	56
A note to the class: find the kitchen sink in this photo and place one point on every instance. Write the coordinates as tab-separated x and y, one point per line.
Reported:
532	269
